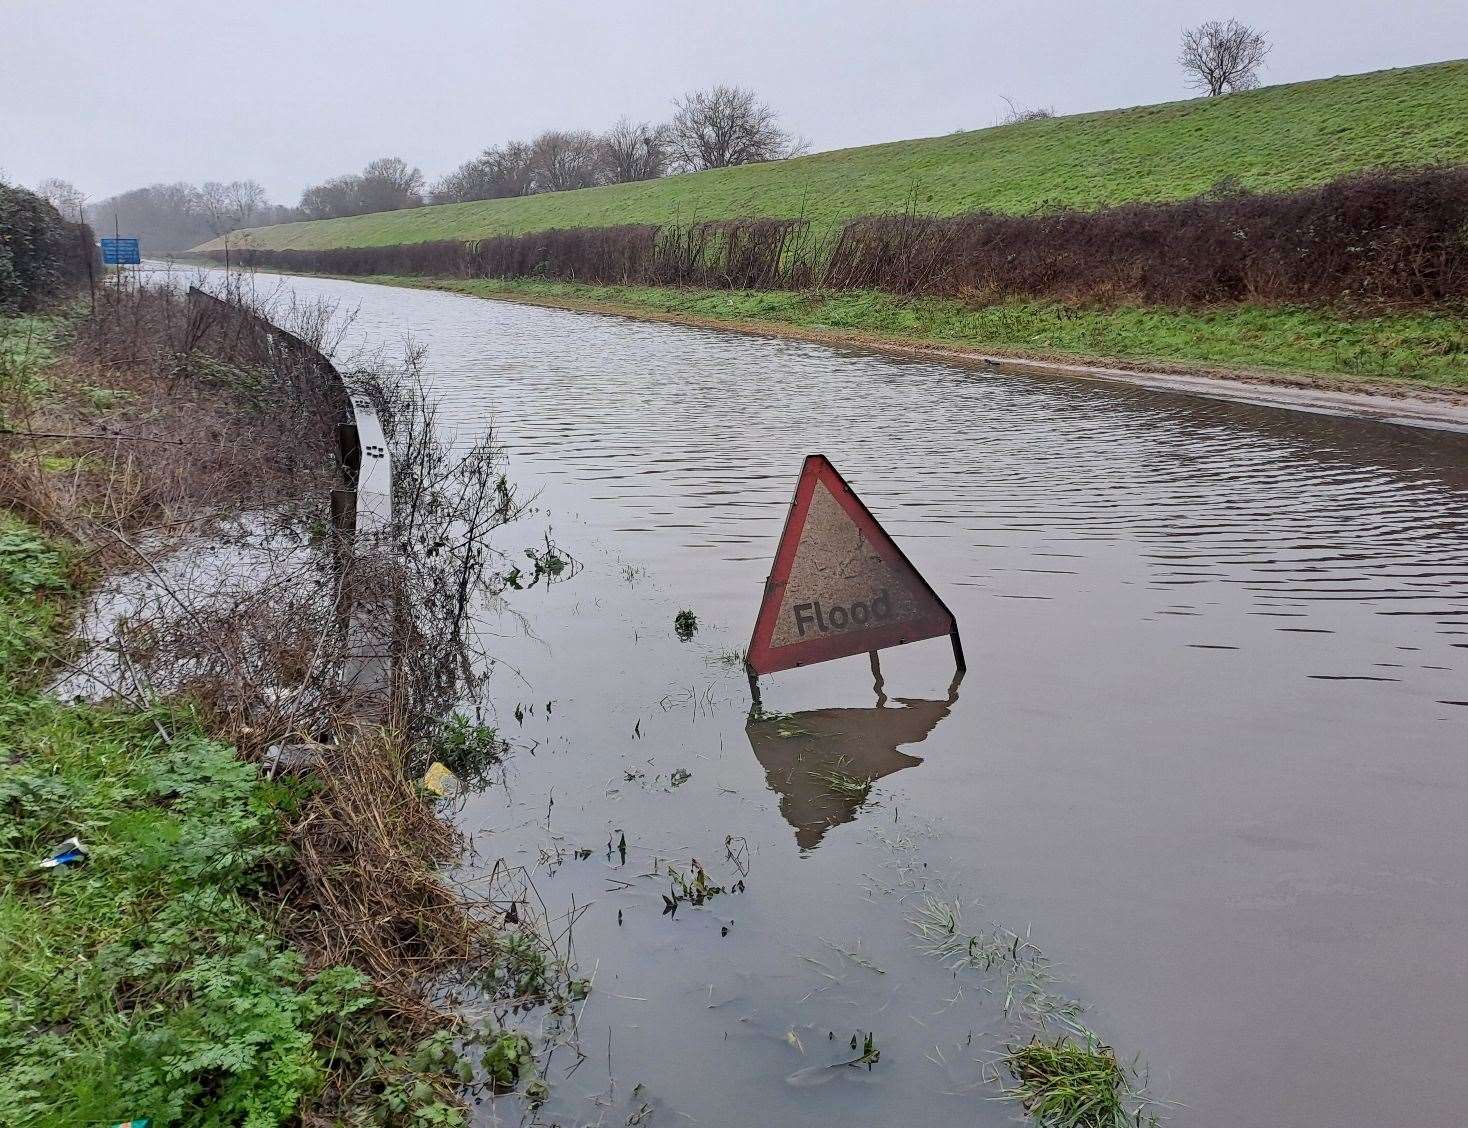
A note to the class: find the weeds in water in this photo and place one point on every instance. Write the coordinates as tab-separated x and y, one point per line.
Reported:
633	574
785	723
694	888
852	789
507	1056
729	657
870	1055
1074	1081
471	751
550	564
1074	1084
537	1092
1023	968
685	625
523	972
863	1046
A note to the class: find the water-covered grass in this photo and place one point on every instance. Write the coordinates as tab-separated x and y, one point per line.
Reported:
1073	1083
1428	348
1278	137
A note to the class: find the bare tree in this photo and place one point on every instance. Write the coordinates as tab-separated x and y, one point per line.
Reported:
386	184
390	183
562	160
62	195
330	198
633	152
225	207
470	181
509	168
247	201
396	173
724	126
1223	56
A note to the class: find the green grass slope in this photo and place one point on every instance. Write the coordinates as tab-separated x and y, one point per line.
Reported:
1275	138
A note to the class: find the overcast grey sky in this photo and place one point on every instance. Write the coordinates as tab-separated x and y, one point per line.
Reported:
114	95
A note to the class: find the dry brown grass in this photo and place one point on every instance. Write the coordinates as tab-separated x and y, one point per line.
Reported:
149	424
365	889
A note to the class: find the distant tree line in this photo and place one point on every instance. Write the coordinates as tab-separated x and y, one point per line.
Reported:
386	184
714	128
718	127
171	217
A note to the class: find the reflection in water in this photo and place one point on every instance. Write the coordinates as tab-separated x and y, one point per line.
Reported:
1285	834
822	762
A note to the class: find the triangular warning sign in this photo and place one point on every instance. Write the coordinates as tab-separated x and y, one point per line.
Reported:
839	585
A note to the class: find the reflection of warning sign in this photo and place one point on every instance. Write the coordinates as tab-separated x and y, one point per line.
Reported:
840	585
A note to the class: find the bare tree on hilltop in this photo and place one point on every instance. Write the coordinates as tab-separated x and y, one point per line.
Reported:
633	152
1223	56
389	183
724	126
563	160
386	184
499	171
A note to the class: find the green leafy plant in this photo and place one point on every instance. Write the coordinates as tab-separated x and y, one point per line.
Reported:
507	1056
145	979
471	751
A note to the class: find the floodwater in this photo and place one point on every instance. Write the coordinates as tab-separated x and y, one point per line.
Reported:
1210	755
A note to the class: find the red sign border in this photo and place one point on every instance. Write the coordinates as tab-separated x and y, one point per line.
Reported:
762	658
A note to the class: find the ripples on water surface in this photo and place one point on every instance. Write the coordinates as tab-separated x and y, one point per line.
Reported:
1210	748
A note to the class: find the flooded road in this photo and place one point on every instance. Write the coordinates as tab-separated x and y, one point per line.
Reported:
1210	756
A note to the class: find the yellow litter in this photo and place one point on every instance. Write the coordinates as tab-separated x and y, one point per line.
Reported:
439	780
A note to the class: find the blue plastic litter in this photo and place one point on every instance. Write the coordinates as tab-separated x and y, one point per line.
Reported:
68	853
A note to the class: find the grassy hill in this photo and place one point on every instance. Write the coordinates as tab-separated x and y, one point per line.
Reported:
1276	137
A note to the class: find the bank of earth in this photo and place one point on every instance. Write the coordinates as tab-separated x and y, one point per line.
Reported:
1277	138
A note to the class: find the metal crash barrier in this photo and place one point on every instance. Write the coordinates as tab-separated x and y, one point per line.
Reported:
361	504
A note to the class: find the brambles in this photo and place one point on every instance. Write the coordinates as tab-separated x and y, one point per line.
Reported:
42	252
1371	239
291	922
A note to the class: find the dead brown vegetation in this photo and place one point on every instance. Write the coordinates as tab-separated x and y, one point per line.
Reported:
365	889
1368	241
188	452
160	424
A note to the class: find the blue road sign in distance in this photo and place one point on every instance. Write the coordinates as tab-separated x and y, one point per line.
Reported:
120	252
